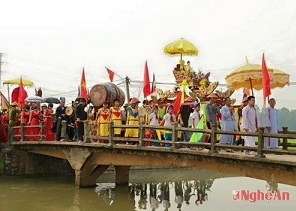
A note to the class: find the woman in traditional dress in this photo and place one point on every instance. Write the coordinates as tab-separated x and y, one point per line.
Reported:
133	118
116	116
103	117
34	121
48	123
24	119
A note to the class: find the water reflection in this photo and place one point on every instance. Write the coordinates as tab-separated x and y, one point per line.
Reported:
204	193
156	195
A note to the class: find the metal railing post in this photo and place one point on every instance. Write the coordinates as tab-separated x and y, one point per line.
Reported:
285	140
22	131
260	143
213	139
41	131
111	133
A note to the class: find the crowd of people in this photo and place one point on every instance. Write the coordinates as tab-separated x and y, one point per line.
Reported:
29	115
133	114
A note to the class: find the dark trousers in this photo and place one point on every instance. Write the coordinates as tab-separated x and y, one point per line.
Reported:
58	129
80	131
209	125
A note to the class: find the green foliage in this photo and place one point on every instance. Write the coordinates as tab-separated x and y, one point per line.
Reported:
287	118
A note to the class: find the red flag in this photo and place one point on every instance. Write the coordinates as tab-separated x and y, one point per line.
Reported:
177	103
265	79
83	86
146	82
110	73
22	94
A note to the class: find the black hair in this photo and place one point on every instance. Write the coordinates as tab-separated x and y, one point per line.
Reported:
50	105
271	99
251	97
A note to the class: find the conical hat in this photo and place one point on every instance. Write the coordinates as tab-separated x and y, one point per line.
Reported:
134	100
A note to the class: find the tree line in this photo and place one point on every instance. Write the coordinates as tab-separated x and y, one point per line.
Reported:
287	118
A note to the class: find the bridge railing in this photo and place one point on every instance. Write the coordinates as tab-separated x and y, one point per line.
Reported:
18	133
142	141
213	146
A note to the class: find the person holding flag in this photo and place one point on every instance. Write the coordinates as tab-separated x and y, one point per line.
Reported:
271	124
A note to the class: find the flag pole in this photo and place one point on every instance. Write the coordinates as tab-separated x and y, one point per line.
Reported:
8	93
251	86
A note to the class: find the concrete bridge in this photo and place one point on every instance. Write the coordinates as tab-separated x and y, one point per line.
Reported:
90	160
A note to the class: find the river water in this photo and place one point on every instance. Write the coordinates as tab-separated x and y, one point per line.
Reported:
189	189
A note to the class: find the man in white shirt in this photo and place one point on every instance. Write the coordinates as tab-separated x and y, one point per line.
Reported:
271	124
250	122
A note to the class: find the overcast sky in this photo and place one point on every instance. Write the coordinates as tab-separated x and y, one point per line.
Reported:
50	42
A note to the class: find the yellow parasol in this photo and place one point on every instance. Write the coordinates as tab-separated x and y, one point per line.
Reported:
279	79
16	81
182	47
247	76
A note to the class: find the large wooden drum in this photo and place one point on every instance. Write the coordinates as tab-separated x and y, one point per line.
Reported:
106	92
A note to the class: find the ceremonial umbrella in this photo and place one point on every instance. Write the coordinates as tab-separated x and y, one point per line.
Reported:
16	81
35	99
182	47
52	100
247	76
279	79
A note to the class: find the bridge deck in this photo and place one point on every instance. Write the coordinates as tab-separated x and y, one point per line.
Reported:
273	158
279	168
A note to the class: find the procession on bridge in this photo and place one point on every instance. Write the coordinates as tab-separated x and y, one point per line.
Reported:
194	103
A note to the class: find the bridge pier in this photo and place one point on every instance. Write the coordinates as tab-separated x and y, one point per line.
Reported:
86	171
87	176
122	175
